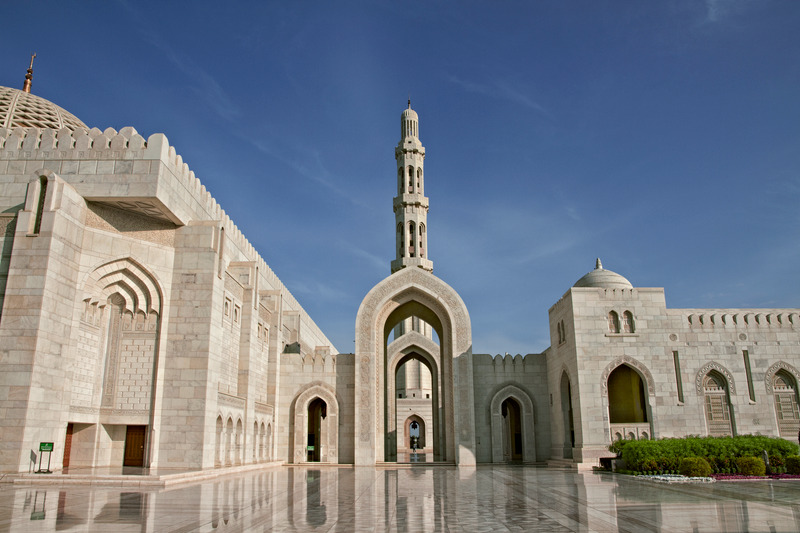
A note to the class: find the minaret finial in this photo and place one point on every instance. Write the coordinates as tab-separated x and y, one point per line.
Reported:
26	87
598	265
409	99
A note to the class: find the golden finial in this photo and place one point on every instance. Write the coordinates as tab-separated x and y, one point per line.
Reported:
26	87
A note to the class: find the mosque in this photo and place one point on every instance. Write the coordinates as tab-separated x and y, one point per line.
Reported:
139	327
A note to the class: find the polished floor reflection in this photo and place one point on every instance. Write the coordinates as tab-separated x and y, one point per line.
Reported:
419	498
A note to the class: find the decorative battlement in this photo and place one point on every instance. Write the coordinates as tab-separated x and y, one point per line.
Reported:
126	149
743	319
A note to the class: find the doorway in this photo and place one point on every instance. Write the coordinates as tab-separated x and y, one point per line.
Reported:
512	430
134	446
317	411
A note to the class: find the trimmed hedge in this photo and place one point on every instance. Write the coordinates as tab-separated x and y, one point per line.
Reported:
751	466
793	464
695	467
720	452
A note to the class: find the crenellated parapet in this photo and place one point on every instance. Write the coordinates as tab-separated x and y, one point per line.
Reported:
741	318
110	166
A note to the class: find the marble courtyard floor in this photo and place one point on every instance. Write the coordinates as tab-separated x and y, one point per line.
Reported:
419	498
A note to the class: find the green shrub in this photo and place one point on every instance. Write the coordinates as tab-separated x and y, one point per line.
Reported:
721	451
751	466
793	464
695	467
617	446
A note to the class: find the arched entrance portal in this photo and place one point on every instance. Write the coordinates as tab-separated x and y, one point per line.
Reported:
566	411
512	430
317	412
425	408
413	292
415	433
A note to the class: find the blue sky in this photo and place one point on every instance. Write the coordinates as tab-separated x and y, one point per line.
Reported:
663	137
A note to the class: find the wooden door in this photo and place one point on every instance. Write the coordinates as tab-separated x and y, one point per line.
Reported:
68	445
134	446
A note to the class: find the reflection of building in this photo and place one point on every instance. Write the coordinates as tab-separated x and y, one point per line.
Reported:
132	306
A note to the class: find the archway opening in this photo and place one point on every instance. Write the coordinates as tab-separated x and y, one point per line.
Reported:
627	403
512	430
416	395
566	411
317	411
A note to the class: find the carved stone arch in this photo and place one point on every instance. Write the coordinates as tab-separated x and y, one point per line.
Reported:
769	377
413	292
528	420
138	282
638	366
705	369
330	429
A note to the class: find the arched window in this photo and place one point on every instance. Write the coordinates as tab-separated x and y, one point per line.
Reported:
613	322
402	240
784	387
717	405
410	179
419	179
411	233
399	181
40	205
627	322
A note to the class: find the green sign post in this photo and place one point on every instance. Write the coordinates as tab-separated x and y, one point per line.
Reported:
45	447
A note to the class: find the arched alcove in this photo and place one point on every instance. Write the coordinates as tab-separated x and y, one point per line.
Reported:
413	292
504	426
314	401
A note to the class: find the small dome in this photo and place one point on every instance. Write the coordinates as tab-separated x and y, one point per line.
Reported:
606	279
25	110
409	113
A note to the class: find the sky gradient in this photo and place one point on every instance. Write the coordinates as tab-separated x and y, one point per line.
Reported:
662	137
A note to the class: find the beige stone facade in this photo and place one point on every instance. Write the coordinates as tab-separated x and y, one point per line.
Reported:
138	326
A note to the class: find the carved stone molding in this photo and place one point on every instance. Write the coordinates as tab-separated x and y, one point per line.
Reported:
774	369
630	361
705	369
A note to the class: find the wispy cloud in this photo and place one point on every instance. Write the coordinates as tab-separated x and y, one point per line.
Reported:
718	10
297	158
205	85
317	290
501	90
378	262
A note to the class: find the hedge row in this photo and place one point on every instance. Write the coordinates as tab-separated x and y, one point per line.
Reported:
720	452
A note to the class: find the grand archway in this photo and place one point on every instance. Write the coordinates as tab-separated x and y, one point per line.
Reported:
413	292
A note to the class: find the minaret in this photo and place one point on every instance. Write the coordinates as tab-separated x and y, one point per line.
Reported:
26	87
410	204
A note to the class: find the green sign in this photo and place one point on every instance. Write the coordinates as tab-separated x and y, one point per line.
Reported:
45	446
310	448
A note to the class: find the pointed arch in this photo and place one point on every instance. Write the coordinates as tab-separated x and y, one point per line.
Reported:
413	292
330	425
527	417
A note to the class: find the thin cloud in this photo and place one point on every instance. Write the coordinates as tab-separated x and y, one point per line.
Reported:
206	86
502	91
319	173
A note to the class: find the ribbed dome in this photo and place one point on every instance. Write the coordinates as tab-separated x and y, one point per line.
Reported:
606	279
409	114
21	109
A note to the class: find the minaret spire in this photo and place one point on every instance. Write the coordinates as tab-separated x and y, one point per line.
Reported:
410	204
26	87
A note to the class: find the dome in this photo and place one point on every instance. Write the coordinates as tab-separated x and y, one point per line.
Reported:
409	113
25	110
606	279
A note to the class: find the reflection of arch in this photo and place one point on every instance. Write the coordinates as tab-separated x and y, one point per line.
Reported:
329	425
526	419
406	293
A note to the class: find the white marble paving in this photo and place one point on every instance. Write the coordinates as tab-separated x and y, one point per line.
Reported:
405	499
